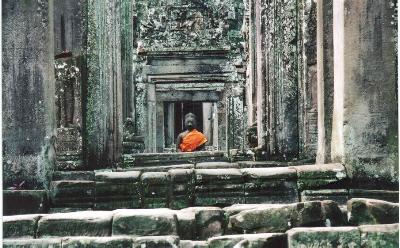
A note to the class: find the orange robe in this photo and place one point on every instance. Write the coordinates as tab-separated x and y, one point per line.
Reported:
192	141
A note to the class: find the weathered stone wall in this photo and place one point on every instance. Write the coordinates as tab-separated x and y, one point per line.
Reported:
70	26
365	121
28	92
182	32
103	106
285	64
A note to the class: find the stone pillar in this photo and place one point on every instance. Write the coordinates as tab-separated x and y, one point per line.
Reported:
170	132
307	68
251	69
207	121
260	74
364	128
103	108
29	126
325	78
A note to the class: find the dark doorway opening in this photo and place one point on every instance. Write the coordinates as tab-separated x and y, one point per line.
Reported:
183	108
174	115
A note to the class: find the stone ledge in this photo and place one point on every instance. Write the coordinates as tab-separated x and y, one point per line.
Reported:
21	226
25	202
265	240
86	223
144	222
362	211
323	237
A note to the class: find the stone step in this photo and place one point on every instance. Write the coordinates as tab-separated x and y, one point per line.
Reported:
154	159
361	236
221	184
185	186
194	223
371	236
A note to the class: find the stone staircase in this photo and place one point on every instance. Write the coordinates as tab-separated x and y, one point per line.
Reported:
203	204
305	224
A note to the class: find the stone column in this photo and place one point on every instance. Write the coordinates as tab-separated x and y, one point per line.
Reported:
207	121
260	74
325	78
364	128
251	70
29	125
103	109
170	132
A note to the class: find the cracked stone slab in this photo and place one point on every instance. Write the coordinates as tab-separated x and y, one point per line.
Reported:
363	211
282	217
85	223
210	221
144	222
20	226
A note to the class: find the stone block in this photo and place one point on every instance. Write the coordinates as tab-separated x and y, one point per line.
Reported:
24	202
332	214
320	176
186	224
193	244
324	237
379	236
340	196
260	164
67	210
281	217
156	189
115	190
270	185
362	211
385	195
144	222
219	187
70	164
68	193
30	243
97	242
73	176
157	242
86	223
237	208
20	226
210	221
265	240
182	188
216	165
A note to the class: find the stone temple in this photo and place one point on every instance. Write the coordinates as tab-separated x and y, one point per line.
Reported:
298	100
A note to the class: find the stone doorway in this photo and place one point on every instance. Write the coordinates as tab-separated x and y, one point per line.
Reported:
207	122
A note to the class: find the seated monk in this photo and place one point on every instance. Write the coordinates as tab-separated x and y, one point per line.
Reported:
190	140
